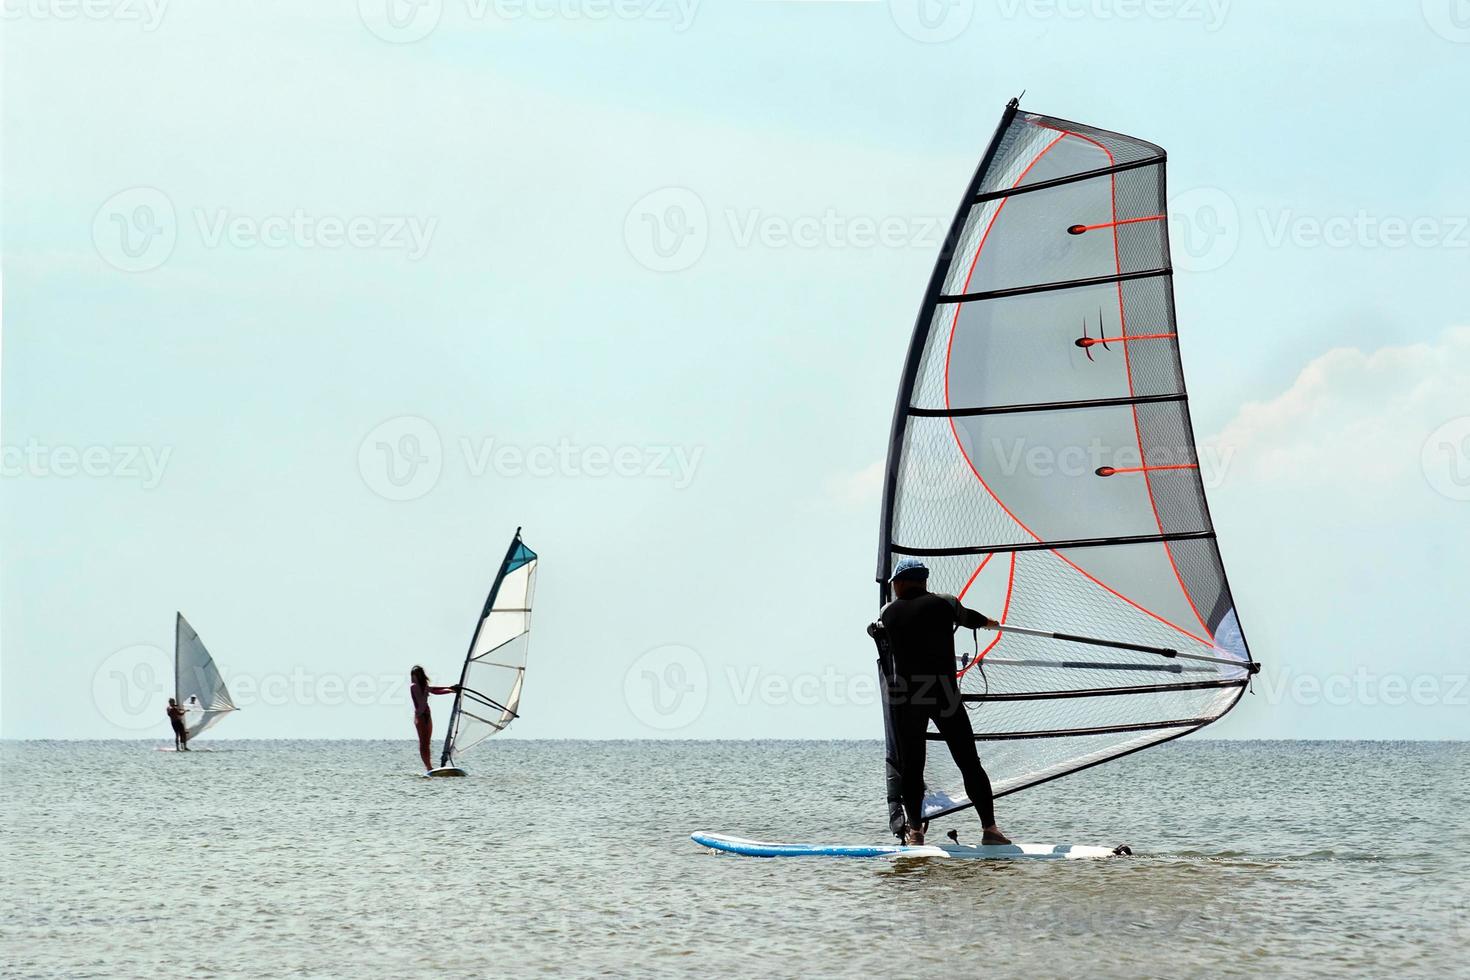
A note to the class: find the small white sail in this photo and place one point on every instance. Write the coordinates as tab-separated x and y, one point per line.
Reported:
198	686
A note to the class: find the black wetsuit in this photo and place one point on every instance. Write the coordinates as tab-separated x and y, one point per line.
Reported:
176	719
921	635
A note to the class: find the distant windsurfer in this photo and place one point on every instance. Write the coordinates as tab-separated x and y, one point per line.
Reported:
175	713
920	625
419	689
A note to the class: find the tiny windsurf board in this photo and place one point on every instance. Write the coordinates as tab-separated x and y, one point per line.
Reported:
994	852
444	771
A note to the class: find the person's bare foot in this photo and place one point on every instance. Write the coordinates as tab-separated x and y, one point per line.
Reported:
994	836
913	837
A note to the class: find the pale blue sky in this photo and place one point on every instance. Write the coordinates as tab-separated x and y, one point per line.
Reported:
532	312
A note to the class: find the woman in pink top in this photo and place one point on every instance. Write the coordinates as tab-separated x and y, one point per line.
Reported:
419	690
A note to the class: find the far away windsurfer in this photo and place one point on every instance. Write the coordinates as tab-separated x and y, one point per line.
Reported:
419	689
176	718
920	625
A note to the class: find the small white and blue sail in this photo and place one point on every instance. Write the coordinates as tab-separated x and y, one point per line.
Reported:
494	671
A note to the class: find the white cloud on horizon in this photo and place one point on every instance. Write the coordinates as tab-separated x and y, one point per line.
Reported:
1352	419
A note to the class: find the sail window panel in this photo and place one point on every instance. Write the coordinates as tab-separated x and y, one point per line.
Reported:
511	614
997	721
479	720
1035	148
1128	592
1014	765
1023	350
1023	241
992	480
1134	593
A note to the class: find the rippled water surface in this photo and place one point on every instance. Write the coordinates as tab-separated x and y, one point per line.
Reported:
337	859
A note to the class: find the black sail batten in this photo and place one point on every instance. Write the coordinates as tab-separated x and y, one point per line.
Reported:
1103	692
1049	323
1141	726
1049	287
943	413
1059	545
514	582
1070	179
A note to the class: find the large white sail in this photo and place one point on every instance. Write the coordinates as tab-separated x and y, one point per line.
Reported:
198	685
494	671
1043	465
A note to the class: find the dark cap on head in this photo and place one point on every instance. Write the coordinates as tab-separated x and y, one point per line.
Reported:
910	569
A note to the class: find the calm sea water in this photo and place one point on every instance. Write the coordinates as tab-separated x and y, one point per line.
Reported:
337	859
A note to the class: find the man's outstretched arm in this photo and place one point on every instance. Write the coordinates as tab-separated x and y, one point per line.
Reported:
969	618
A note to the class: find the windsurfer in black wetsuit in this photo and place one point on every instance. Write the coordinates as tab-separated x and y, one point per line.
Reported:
920	625
176	719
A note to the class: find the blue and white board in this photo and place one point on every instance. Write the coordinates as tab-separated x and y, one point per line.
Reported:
994	852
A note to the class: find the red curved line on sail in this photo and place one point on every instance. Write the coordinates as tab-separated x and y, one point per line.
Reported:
980	568
954	430
1128	367
1004	612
